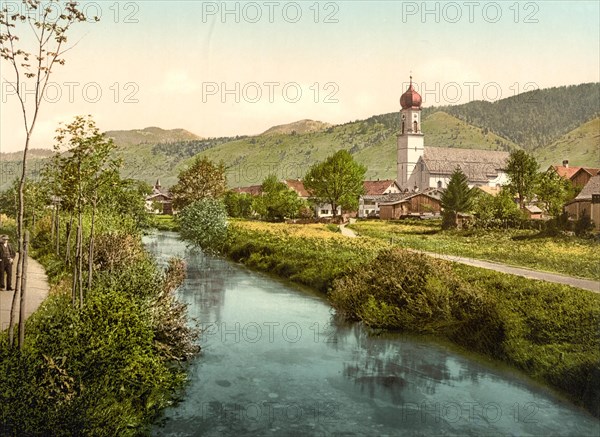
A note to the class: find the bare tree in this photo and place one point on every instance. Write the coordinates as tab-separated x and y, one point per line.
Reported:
49	22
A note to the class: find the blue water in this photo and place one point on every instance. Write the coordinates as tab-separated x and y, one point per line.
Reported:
276	362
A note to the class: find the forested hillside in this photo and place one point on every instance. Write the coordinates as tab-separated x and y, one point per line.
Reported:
536	118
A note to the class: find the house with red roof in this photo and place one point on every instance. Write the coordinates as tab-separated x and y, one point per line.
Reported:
579	176
375	193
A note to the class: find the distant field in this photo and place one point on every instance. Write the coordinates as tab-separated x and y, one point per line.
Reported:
570	256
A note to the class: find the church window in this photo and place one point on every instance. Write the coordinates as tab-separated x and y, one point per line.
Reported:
416	126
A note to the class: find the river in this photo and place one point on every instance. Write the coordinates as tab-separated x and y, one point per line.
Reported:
276	362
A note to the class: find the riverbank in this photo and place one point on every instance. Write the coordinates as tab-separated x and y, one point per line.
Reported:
547	330
110	366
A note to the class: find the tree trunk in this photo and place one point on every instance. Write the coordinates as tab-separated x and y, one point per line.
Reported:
57	230
68	243
91	249
80	264
17	287
23	287
75	273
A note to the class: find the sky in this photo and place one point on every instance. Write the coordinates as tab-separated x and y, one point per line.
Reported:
238	68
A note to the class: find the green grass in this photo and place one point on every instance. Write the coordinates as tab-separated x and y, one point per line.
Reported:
525	248
164	222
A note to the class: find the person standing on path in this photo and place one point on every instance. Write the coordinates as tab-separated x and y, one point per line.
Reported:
7	255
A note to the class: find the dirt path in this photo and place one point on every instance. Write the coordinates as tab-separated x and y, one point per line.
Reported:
37	291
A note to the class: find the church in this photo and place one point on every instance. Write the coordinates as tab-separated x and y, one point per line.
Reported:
421	167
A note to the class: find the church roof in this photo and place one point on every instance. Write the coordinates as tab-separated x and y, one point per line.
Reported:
410	98
477	165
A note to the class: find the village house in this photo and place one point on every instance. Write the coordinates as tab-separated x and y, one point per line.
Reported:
421	167
160	201
587	202
579	176
426	203
375	193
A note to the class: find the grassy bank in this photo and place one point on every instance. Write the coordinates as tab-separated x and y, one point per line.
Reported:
548	330
311	255
110	367
526	248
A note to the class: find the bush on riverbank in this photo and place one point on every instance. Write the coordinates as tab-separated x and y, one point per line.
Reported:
108	368
405	291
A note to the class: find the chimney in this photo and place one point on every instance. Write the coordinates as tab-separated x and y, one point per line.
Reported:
566	163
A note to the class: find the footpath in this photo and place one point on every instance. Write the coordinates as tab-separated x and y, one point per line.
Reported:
586	284
37	291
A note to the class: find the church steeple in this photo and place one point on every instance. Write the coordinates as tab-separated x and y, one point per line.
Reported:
410	139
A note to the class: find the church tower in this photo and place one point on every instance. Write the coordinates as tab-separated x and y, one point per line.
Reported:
410	138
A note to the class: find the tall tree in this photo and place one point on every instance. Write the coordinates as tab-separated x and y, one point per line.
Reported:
553	191
339	181
277	201
522	169
457	198
83	171
203	179
32	64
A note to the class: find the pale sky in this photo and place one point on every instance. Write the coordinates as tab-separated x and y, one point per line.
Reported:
238	68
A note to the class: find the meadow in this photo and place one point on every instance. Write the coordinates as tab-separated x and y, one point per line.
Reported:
524	248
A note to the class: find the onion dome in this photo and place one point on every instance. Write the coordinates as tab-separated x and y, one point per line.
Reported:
411	98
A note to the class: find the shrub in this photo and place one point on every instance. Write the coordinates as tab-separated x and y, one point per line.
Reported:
410	292
204	223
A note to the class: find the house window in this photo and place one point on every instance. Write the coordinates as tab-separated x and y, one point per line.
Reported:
324	211
595	198
439	184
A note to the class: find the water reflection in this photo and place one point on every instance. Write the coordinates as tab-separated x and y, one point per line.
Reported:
276	361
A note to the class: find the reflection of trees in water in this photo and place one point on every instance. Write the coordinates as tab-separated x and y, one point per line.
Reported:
400	369
204	287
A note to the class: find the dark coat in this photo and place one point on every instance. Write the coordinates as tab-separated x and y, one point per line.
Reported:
11	251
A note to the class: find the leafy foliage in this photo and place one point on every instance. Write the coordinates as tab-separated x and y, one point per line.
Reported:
203	179
277	201
498	211
337	181
204	223
553	191
105	368
238	205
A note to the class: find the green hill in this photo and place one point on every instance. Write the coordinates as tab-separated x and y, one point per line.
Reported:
580	146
